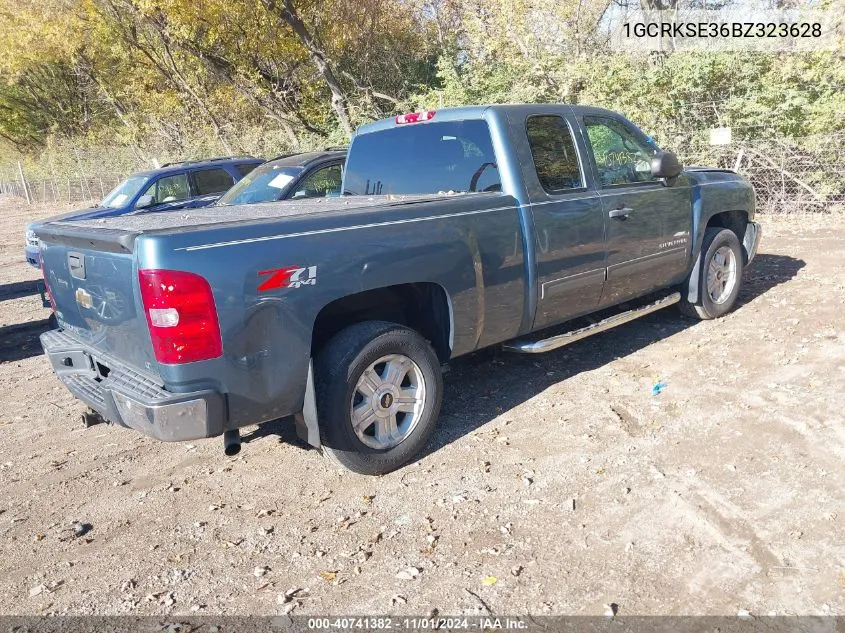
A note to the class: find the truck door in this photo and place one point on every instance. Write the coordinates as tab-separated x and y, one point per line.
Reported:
568	219
648	219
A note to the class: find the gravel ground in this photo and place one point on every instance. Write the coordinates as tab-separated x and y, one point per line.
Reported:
555	484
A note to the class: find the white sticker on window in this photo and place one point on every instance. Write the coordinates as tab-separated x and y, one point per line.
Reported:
119	199
280	181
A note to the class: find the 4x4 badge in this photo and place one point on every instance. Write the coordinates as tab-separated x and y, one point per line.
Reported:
290	277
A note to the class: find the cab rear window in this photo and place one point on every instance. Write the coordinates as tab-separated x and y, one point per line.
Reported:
423	158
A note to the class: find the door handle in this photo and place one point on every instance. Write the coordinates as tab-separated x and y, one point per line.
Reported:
622	213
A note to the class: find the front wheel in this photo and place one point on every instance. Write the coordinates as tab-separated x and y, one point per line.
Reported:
719	275
379	389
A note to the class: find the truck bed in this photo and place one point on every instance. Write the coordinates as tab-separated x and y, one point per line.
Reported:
137	223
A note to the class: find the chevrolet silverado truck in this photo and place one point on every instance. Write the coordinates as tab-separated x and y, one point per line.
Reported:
458	230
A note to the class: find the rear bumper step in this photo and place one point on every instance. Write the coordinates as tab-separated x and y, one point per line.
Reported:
539	346
127	398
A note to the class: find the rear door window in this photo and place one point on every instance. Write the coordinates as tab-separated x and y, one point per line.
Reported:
209	181
169	189
553	150
320	182
423	158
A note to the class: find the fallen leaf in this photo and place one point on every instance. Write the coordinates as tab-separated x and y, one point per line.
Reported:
328	576
489	580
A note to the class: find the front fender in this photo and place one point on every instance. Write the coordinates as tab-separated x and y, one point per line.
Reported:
715	193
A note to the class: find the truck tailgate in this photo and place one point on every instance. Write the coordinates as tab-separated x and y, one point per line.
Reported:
93	280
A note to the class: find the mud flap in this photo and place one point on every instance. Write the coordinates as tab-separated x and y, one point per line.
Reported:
692	285
307	427
750	241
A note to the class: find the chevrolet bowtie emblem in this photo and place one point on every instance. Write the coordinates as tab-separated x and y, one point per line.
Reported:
83	298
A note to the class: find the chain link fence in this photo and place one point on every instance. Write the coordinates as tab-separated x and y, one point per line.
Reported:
789	175
61	190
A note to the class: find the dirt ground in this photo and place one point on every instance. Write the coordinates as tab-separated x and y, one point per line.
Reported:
555	484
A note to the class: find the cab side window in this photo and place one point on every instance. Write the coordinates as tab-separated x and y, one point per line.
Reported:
209	181
320	182
621	156
168	189
553	150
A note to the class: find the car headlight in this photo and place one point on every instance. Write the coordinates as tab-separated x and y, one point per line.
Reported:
31	238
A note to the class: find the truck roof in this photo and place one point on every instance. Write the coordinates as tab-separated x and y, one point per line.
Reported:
462	113
180	166
303	159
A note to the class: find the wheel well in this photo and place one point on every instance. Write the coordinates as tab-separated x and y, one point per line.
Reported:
423	307
736	221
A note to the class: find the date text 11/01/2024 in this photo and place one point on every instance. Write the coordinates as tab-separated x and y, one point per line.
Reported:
419	623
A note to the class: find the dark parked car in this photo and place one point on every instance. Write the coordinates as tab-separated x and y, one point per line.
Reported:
184	185
294	176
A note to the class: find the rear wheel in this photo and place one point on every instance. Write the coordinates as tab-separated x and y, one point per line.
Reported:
719	275
379	390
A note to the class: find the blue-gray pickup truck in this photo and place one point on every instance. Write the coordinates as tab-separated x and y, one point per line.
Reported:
458	230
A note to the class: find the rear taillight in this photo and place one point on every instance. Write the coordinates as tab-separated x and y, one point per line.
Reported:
416	117
181	314
46	284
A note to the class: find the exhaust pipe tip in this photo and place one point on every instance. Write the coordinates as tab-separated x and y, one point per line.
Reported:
232	442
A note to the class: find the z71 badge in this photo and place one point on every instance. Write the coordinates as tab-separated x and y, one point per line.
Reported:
290	277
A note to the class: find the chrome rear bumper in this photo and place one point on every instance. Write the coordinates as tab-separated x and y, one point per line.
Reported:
127	398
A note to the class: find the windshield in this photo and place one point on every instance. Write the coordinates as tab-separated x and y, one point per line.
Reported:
124	192
423	158
266	183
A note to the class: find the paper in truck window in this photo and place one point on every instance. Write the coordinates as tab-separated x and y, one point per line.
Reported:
281	181
119	199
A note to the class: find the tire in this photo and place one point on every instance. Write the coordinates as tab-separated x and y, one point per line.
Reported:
384	441
718	287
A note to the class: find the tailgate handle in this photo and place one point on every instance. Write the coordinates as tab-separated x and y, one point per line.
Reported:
76	264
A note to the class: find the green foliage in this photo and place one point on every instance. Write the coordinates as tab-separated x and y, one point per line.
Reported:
118	83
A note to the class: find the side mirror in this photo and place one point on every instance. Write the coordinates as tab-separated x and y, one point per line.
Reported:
144	202
666	165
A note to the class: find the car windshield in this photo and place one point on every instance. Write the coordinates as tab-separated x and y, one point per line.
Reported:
124	192
423	158
265	183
